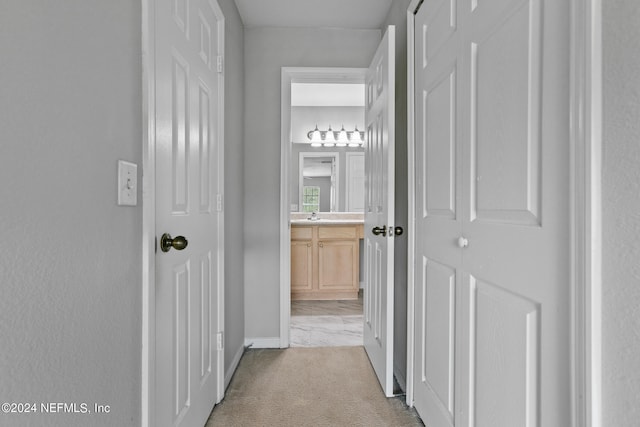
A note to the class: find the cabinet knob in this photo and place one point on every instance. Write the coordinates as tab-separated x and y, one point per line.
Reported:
308	245
320	244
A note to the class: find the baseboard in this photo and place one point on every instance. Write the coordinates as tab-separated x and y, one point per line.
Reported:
273	342
234	365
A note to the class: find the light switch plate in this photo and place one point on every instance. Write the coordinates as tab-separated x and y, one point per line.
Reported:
127	183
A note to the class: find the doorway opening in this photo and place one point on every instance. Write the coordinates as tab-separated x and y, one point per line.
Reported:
321	191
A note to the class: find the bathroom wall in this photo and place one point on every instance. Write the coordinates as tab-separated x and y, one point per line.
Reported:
233	191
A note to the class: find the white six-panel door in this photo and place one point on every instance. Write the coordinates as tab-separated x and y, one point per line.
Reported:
379	212
492	213
188	380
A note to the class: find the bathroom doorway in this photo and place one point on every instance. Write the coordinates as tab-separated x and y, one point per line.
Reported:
321	254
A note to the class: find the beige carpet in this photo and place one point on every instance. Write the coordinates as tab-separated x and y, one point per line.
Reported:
329	386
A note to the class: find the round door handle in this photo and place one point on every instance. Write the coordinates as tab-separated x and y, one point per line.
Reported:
398	231
462	242
379	230
167	242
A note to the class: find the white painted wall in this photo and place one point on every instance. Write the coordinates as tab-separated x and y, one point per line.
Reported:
398	16
267	50
233	191
621	214
70	265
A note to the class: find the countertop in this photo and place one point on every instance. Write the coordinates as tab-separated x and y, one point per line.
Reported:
323	221
328	218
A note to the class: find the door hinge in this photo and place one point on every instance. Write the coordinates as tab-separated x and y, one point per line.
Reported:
219	204
219	64
220	340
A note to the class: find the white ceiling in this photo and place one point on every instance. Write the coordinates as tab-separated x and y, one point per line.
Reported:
355	14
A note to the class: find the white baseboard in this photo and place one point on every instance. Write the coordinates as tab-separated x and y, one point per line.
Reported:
273	342
234	365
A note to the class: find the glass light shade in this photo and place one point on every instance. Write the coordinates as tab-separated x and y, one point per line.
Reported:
329	138
342	138
356	139
316	137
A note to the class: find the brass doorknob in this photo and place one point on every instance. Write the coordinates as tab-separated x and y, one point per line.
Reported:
379	230
167	242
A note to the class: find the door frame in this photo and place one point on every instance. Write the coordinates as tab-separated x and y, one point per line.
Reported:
148	330
297	75
585	215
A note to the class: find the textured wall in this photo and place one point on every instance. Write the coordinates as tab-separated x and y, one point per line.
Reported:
267	50
621	214
70	265
233	183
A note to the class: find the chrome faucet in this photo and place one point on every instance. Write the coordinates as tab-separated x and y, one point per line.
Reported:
314	216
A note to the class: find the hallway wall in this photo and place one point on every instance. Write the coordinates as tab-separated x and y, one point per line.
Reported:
267	50
233	186
621	214
70	268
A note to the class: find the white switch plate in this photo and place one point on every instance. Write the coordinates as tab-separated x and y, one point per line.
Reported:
127	183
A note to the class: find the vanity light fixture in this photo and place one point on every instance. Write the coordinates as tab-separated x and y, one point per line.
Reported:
330	138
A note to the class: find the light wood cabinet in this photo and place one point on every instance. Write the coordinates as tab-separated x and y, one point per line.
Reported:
325	261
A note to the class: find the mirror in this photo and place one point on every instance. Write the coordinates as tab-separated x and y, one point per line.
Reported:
338	178
318	182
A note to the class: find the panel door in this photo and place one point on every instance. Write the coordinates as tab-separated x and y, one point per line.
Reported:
492	321
188	365
379	201
438	222
516	216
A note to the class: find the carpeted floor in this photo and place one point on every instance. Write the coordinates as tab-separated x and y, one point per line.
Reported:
330	386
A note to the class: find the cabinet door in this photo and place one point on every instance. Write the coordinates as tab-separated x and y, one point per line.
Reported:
301	265
338	265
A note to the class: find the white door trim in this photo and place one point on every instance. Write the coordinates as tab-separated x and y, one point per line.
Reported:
297	75
586	217
148	361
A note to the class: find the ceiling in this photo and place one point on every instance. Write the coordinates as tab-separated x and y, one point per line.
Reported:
354	14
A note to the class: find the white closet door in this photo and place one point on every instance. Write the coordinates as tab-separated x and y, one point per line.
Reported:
492	244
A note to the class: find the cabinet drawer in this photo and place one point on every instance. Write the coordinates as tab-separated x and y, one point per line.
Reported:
337	232
301	233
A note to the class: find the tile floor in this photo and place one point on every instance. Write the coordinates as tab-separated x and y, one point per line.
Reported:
326	323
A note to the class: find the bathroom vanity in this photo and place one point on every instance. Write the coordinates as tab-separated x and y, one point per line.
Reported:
325	258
